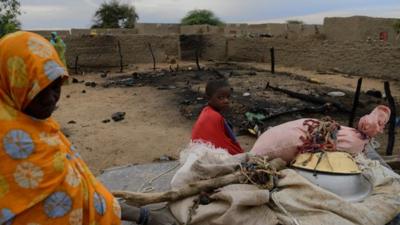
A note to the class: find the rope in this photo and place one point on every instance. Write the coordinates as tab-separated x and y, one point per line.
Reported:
280	206
258	171
149	182
321	135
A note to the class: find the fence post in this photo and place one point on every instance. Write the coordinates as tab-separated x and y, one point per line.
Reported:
355	102
392	120
272	50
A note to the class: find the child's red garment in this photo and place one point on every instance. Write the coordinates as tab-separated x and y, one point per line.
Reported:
212	127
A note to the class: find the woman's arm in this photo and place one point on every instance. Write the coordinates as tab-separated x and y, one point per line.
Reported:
133	214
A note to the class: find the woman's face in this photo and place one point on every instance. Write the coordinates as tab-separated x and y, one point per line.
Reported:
44	104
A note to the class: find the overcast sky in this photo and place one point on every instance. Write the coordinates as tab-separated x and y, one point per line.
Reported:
55	14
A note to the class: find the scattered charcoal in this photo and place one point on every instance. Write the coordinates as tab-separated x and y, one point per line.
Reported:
374	93
186	102
135	75
72	122
68	96
106	121
118	116
234	73
75	81
166	87
105	74
83	91
90	84
252	73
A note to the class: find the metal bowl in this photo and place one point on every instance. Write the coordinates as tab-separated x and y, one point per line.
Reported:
351	187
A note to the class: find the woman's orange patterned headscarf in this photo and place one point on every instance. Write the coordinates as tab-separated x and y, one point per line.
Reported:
28	64
43	180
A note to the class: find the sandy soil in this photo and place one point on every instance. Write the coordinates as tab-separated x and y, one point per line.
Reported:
153	125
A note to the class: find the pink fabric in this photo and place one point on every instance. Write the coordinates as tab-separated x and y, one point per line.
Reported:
282	141
375	122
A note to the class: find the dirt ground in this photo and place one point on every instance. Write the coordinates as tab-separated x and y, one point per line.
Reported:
155	124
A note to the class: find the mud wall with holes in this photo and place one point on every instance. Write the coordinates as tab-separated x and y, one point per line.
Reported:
104	51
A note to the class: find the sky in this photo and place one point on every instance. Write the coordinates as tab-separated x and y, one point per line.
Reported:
57	14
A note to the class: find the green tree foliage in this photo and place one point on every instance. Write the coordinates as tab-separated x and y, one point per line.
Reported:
200	17
115	14
9	11
294	22
396	26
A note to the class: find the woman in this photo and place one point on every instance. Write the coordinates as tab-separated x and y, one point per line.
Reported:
43	180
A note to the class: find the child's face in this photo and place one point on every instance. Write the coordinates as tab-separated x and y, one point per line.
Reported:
220	99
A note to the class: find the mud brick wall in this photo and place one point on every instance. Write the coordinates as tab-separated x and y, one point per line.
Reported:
135	48
358	28
93	51
371	59
214	47
47	33
201	29
101	51
158	29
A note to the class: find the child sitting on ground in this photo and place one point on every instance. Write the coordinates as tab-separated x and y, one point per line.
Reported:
211	127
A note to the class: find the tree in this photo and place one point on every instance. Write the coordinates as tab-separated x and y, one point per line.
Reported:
294	22
9	11
200	17
114	14
396	26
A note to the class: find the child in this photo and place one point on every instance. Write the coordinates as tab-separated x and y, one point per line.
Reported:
211	126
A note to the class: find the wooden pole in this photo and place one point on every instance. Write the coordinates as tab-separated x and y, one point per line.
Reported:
392	120
355	102
310	98
76	64
152	55
121	62
272	50
140	199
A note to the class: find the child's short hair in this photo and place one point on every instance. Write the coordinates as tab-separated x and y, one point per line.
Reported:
214	85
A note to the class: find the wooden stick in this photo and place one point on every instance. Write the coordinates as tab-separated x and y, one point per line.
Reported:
317	109
272	50
140	199
121	62
199	49
309	98
197	59
355	102
152	55
392	120
76	64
